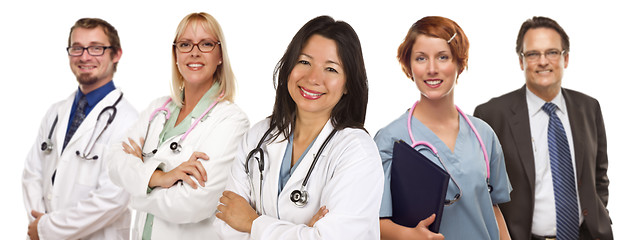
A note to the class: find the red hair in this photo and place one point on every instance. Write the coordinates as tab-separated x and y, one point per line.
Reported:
438	27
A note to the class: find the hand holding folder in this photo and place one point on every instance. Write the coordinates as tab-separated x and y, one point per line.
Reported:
418	187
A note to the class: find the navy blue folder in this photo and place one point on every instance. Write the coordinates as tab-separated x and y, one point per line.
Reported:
418	187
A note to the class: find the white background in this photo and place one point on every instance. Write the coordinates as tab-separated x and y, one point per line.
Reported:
35	70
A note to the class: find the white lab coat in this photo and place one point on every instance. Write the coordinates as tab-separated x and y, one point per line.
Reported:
180	212
83	203
347	179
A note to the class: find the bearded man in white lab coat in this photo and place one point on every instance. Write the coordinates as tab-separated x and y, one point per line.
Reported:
66	189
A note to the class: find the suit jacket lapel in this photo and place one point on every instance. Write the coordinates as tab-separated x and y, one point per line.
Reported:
575	113
520	128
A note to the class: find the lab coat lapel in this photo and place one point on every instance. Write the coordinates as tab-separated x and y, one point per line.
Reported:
520	129
273	155
63	112
297	177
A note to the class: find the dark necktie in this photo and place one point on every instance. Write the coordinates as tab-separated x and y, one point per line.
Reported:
77	120
563	177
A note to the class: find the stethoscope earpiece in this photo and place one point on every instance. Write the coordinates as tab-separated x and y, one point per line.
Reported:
299	198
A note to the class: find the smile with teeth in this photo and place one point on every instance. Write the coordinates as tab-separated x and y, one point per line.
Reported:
544	71
310	93
87	67
194	65
433	82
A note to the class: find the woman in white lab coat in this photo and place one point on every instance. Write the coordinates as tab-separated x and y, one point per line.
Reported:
321	94
176	159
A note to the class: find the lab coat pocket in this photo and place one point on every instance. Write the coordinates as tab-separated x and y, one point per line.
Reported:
89	170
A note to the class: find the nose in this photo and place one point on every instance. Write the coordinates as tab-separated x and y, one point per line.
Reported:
432	68
85	56
315	75
543	60
196	51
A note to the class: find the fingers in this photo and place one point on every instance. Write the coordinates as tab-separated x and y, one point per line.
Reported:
136	147
428	221
127	149
198	155
195	169
319	214
36	214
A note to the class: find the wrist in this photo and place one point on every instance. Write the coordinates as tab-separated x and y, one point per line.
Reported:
154	178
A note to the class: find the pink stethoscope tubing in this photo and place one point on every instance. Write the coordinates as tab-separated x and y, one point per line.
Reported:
435	151
176	146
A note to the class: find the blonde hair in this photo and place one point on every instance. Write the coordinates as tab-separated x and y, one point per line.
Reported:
223	74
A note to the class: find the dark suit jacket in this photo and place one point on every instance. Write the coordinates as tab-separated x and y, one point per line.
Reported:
509	118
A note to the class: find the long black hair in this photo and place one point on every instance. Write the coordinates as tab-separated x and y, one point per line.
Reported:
351	108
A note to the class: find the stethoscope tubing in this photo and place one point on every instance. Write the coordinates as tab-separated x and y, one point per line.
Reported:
47	145
175	146
431	148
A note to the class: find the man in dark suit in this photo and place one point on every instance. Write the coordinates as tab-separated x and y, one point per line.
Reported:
521	121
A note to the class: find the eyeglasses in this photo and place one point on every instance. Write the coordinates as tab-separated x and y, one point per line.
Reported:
204	46
76	51
533	56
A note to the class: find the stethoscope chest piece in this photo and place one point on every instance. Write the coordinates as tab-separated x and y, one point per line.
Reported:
46	146
175	146
299	198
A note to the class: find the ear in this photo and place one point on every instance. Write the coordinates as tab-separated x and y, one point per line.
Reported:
521	63
566	60
117	56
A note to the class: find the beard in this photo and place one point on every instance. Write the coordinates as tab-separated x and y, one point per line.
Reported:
86	79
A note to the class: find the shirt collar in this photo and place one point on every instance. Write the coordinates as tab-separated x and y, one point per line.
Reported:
535	103
95	96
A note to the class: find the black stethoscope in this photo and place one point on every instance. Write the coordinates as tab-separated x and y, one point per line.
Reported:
47	145
175	146
300	196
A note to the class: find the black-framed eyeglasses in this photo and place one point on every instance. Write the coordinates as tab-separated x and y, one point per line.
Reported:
76	51
552	55
204	46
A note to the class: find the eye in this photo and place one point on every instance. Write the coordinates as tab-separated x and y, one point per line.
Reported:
184	44
304	62
532	54
331	69
77	49
552	53
420	58
95	48
443	58
208	44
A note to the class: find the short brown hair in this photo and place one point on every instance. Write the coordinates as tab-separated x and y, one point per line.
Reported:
541	22
438	27
109	30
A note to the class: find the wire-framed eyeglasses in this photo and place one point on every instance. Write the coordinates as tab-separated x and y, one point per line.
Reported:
552	55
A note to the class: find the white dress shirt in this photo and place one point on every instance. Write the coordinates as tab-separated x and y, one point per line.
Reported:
544	219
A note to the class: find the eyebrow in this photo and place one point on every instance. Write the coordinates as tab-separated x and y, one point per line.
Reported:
90	44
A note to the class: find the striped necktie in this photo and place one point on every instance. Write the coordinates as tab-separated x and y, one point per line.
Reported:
563	177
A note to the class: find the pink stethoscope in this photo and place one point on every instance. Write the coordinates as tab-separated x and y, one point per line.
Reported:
435	151
175	146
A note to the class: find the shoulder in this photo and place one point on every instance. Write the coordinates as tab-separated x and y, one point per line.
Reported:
355	141
578	97
483	128
393	128
506	99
